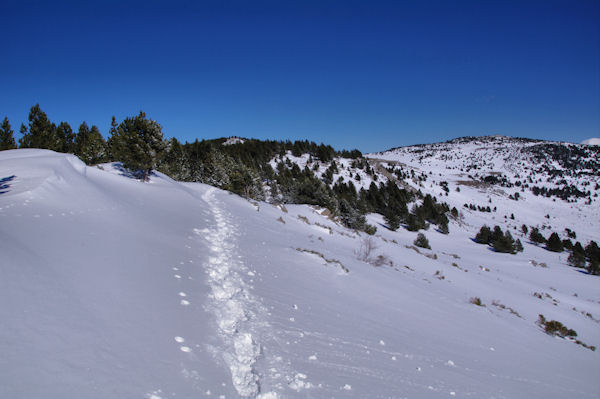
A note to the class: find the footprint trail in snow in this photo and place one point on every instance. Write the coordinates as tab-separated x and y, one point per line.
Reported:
234	307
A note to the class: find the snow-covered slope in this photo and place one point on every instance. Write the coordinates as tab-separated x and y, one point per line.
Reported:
592	141
111	287
538	183
347	170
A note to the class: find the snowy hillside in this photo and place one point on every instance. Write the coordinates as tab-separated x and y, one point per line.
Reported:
592	141
546	184
111	287
361	175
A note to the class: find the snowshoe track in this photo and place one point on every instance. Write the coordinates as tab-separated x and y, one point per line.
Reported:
234	307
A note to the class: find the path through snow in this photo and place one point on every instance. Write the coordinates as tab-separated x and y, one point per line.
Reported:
235	309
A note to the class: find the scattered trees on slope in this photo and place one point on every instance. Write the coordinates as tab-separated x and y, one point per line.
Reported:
500	241
578	257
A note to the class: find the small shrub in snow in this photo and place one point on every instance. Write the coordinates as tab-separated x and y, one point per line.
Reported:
304	219
422	241
475	300
554	327
320	255
367	246
504	307
370	229
381	260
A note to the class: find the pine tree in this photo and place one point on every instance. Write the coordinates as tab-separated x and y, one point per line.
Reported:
217	169
593	267
592	253
81	140
89	145
415	223
504	243
554	243
97	146
497	234
392	220
111	138
577	256
536	237
138	143
24	131
454	212
509	242
518	246
422	241
351	217
175	163
567	244
245	182
41	132
7	141
66	138
484	236
442	223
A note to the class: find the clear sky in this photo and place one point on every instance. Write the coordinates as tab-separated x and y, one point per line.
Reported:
354	74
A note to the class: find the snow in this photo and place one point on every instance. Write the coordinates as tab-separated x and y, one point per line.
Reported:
359	177
233	140
91	306
592	141
456	161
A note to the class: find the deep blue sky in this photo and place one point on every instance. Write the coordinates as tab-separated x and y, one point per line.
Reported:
355	74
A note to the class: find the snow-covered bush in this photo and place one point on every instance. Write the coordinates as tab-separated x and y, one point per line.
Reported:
422	241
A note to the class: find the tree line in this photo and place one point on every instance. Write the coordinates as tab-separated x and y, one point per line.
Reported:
245	167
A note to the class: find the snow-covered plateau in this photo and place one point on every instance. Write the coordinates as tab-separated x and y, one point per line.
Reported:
592	141
115	288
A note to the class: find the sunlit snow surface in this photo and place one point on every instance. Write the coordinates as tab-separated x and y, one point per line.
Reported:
114	288
592	141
